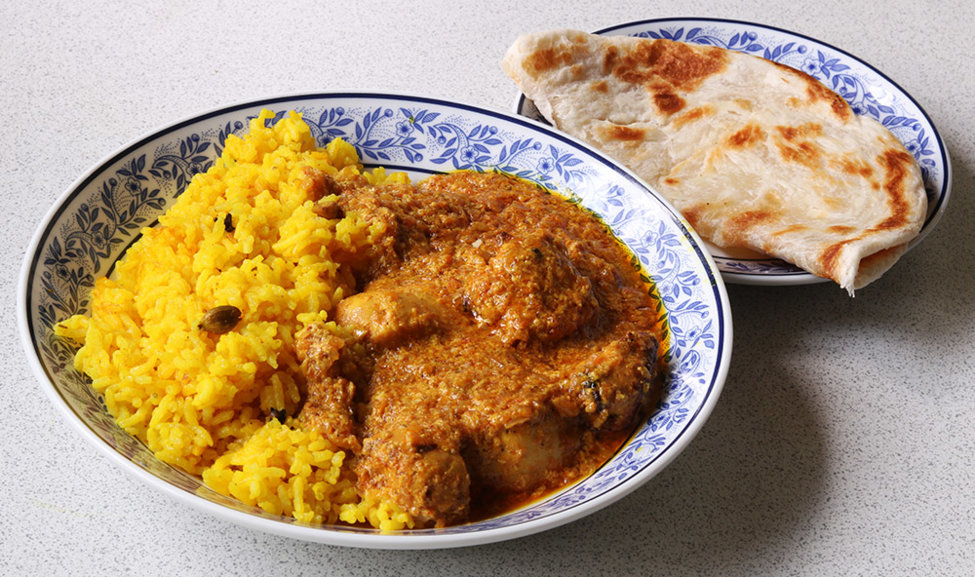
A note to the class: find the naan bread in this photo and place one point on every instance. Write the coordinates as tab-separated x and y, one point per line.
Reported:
754	154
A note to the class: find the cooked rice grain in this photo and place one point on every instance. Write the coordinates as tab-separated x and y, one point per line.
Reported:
246	234
286	471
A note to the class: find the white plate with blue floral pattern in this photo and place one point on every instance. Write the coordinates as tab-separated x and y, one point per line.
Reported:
868	91
91	225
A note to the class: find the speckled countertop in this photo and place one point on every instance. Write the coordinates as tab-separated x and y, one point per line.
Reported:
843	442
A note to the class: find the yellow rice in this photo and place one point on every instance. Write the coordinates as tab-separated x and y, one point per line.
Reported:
201	401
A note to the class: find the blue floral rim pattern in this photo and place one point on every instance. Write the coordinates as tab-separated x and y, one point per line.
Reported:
100	216
868	91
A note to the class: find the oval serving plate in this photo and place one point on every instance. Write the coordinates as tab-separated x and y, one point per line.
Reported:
868	91
101	214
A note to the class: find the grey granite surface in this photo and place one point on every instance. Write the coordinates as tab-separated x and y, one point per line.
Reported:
843	443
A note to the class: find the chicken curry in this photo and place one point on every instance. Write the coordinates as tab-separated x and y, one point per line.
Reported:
502	344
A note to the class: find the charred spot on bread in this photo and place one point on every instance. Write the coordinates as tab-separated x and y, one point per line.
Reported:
748	135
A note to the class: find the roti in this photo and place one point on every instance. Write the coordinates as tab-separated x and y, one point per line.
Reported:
754	154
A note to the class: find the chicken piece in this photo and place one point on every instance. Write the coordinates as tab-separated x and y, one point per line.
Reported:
613	384
518	458
429	481
328	400
386	317
531	290
356	196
